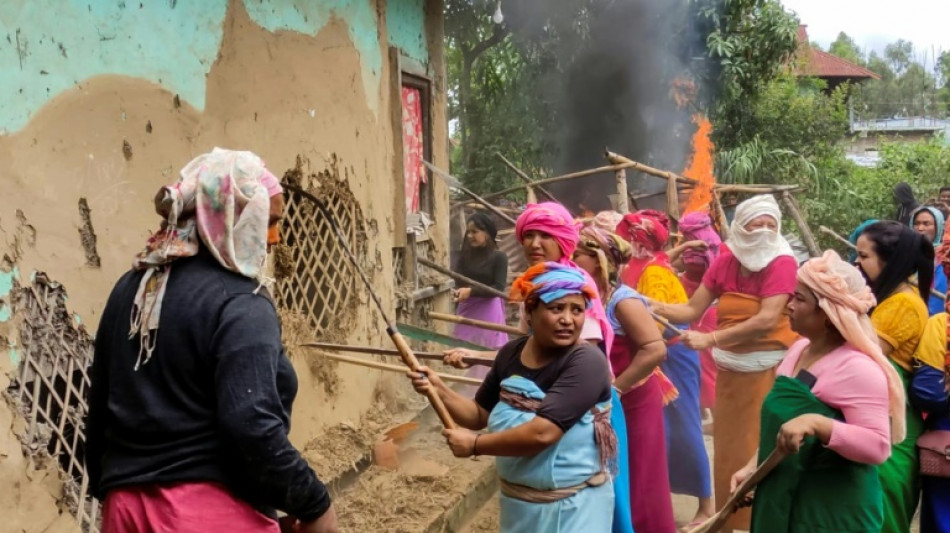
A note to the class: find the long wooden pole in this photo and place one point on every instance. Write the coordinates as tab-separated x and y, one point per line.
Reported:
395	368
432	356
618	159
464	279
720	215
525	178
456	183
476	323
807	235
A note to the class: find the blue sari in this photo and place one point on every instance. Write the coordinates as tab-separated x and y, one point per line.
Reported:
571	461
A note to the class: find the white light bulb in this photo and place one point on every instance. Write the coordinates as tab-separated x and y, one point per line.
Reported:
498	17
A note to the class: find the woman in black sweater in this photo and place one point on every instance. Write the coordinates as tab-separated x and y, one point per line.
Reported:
482	261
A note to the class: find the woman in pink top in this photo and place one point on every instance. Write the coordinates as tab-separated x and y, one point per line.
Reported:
836	405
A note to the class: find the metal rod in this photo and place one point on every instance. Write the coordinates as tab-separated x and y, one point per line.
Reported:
404	350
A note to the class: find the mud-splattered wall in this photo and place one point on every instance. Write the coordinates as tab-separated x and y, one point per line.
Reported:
103	102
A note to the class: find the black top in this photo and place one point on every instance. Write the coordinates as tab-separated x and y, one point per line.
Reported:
574	382
490	269
212	404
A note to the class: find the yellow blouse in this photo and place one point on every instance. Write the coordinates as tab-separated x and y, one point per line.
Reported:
899	320
661	284
933	343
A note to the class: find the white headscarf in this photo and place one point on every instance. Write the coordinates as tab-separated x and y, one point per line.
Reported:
756	249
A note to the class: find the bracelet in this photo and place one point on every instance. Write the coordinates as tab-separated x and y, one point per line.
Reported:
475	445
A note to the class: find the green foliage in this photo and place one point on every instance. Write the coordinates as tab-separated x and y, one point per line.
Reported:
845	48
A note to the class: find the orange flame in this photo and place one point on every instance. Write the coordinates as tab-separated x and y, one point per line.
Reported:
701	166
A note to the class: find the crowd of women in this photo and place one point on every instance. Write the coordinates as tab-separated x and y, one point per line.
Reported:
594	415
841	366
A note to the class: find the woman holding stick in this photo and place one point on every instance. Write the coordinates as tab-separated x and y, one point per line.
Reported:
650	274
635	358
929	222
830	408
546	403
548	233
753	282
191	412
889	253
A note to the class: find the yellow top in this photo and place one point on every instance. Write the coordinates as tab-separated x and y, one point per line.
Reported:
933	343
661	284
899	321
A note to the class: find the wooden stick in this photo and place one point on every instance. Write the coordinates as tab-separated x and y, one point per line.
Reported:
432	356
673	203
504	328
828	231
716	521
476	205
395	368
455	182
796	213
754	188
581	174
666	324
524	177
720	215
464	279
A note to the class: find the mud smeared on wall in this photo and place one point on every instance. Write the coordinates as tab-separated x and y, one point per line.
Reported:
113	133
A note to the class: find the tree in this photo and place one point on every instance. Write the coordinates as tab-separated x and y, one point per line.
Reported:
845	48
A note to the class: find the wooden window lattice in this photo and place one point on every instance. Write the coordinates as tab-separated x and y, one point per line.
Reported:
322	280
51	387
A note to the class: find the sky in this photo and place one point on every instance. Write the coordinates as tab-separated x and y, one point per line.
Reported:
875	23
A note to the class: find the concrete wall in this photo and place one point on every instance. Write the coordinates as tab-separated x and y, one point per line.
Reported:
108	100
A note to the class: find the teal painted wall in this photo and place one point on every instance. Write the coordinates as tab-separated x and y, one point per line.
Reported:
49	46
406	25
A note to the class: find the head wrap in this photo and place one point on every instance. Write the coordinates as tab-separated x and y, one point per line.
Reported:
845	297
939	221
551	218
607	220
611	250
698	226
222	200
485	223
756	249
648	227
853	238
552	281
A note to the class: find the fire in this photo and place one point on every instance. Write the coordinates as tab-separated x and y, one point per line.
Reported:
701	166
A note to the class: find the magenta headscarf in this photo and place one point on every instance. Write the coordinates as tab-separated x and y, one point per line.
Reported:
698	226
555	220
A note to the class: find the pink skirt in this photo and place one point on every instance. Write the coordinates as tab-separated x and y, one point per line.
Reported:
194	507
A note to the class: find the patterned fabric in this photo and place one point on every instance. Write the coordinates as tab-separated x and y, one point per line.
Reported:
221	199
551	218
551	281
648	227
845	298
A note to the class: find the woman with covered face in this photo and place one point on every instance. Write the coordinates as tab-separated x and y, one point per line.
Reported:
546	403
889	253
830	408
753	281
650	273
636	355
929	222
190	410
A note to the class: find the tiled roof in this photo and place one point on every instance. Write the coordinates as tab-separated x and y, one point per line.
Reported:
821	64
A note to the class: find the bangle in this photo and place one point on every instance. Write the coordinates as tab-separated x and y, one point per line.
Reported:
475	445
715	342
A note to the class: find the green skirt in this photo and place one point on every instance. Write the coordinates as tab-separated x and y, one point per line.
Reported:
900	474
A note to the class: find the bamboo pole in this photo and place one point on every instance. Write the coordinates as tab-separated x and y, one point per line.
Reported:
618	159
584	173
456	183
673	202
807	235
755	188
504	328
476	205
394	368
432	356
719	213
464	279
525	178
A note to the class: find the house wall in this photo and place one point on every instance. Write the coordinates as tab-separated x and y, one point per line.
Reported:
106	101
